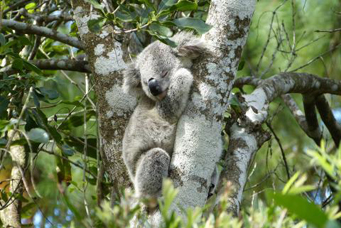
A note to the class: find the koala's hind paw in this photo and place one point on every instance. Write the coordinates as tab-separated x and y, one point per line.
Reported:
150	173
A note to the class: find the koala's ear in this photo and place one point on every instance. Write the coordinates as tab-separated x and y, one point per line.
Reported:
132	80
189	45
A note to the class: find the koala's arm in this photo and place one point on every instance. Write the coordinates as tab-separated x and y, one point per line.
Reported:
172	106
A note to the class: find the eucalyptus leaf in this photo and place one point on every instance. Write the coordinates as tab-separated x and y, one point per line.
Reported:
2	39
49	93
67	150
18	64
300	207
193	23
3	106
95	25
160	29
38	135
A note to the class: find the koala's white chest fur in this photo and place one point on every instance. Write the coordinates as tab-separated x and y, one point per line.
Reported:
150	130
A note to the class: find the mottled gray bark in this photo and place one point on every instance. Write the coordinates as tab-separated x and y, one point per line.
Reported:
107	58
10	216
198	141
313	132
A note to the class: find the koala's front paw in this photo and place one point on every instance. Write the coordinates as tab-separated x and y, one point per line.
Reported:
182	81
150	173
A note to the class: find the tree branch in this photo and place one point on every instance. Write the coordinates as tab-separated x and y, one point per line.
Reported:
54	64
313	131
330	31
328	119
46	18
310	113
245	136
43	31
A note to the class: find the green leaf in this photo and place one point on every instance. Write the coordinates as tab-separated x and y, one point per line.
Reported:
180	6
4	124
28	207
166	4
38	135
192	23
3	107
160	29
241	65
300	207
125	16
24	40
49	93
95	25
2	39
3	141
30	6
78	145
42	122
63	167
18	64
290	182
31	67
148	3
76	120
35	97
95	4
185	6
67	150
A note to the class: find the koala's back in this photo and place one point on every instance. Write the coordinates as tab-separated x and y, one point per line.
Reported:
146	130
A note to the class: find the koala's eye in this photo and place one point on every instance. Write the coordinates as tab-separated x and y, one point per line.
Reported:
164	74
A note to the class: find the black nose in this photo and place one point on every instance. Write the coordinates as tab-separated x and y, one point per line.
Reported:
154	87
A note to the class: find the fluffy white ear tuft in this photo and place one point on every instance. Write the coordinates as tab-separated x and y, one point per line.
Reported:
189	45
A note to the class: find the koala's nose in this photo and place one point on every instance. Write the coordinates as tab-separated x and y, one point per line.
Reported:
154	87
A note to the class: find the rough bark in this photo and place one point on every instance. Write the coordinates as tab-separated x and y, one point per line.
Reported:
313	132
107	60
328	118
10	216
198	140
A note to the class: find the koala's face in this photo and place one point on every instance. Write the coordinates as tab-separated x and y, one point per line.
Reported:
156	65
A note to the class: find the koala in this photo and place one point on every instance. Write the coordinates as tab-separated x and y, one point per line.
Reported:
161	78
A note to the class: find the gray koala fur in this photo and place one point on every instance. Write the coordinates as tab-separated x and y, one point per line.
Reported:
149	137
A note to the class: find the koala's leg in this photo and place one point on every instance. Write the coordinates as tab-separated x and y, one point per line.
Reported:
172	106
150	171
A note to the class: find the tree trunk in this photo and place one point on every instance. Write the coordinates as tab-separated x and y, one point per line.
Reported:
198	143
106	58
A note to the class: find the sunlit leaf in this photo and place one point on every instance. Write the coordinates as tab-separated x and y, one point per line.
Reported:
300	207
